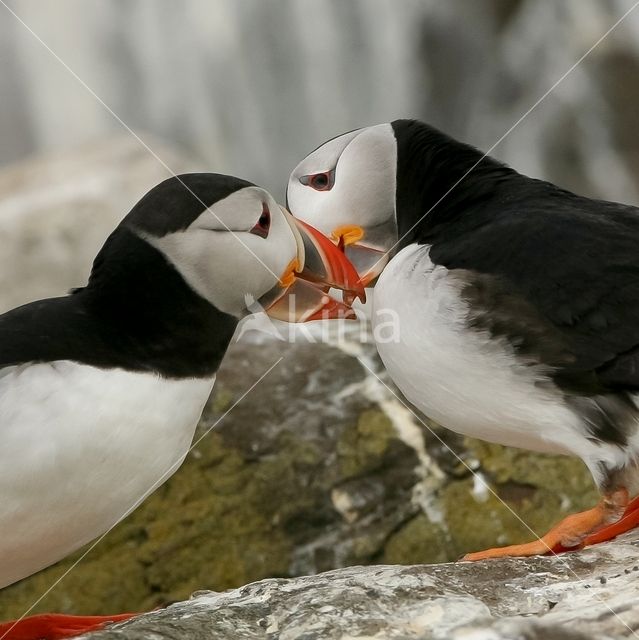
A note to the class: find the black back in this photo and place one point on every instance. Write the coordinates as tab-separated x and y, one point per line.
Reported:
137	312
556	273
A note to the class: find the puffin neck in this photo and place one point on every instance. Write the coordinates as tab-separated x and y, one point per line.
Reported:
440	180
149	316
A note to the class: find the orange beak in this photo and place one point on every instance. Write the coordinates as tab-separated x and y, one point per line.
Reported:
368	261
302	293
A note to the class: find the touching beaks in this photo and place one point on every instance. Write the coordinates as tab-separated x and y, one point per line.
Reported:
368	261
326	264
302	293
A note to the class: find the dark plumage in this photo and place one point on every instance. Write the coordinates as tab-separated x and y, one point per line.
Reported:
178	201
554	272
136	312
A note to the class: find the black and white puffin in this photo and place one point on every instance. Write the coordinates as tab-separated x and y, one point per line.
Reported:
518	301
101	390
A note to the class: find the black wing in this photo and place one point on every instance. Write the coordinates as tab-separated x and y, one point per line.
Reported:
136	313
559	275
48	330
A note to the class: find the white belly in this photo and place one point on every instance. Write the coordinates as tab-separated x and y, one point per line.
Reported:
467	381
81	447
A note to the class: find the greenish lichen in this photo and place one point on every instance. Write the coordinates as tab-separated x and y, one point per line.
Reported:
221	400
418	541
561	475
361	448
528	493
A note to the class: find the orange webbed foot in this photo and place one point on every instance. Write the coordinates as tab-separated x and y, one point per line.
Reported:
627	522
55	626
576	530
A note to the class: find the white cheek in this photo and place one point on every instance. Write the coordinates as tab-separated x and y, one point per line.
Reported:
365	183
365	180
314	207
229	269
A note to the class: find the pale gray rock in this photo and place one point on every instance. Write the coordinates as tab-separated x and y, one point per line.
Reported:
591	594
56	212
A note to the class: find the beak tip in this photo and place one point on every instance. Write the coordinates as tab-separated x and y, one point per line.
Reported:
332	309
350	315
349	296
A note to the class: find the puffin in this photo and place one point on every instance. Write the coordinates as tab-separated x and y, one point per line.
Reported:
101	390
517	302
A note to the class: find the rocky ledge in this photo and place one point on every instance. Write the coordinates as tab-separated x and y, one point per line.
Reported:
584	595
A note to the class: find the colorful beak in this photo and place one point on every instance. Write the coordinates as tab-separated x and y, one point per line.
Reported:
326	264
302	293
368	261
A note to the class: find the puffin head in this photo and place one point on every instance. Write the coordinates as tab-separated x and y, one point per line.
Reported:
346	189
234	246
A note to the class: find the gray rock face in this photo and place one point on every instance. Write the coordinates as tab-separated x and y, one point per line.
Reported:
585	595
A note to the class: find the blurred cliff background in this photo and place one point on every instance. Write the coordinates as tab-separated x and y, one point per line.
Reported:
249	86
322	466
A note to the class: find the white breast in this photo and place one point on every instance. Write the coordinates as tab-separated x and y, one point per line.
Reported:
80	447
469	381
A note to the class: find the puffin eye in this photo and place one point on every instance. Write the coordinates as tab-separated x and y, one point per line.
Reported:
320	181
263	225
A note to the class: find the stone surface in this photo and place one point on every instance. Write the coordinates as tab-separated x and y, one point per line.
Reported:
591	594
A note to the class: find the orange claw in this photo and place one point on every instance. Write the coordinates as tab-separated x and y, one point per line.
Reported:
574	527
628	521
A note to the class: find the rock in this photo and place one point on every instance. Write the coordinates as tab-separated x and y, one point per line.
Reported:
590	594
56	211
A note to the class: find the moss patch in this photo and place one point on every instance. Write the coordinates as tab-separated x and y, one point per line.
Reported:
530	493
361	448
562	476
419	541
